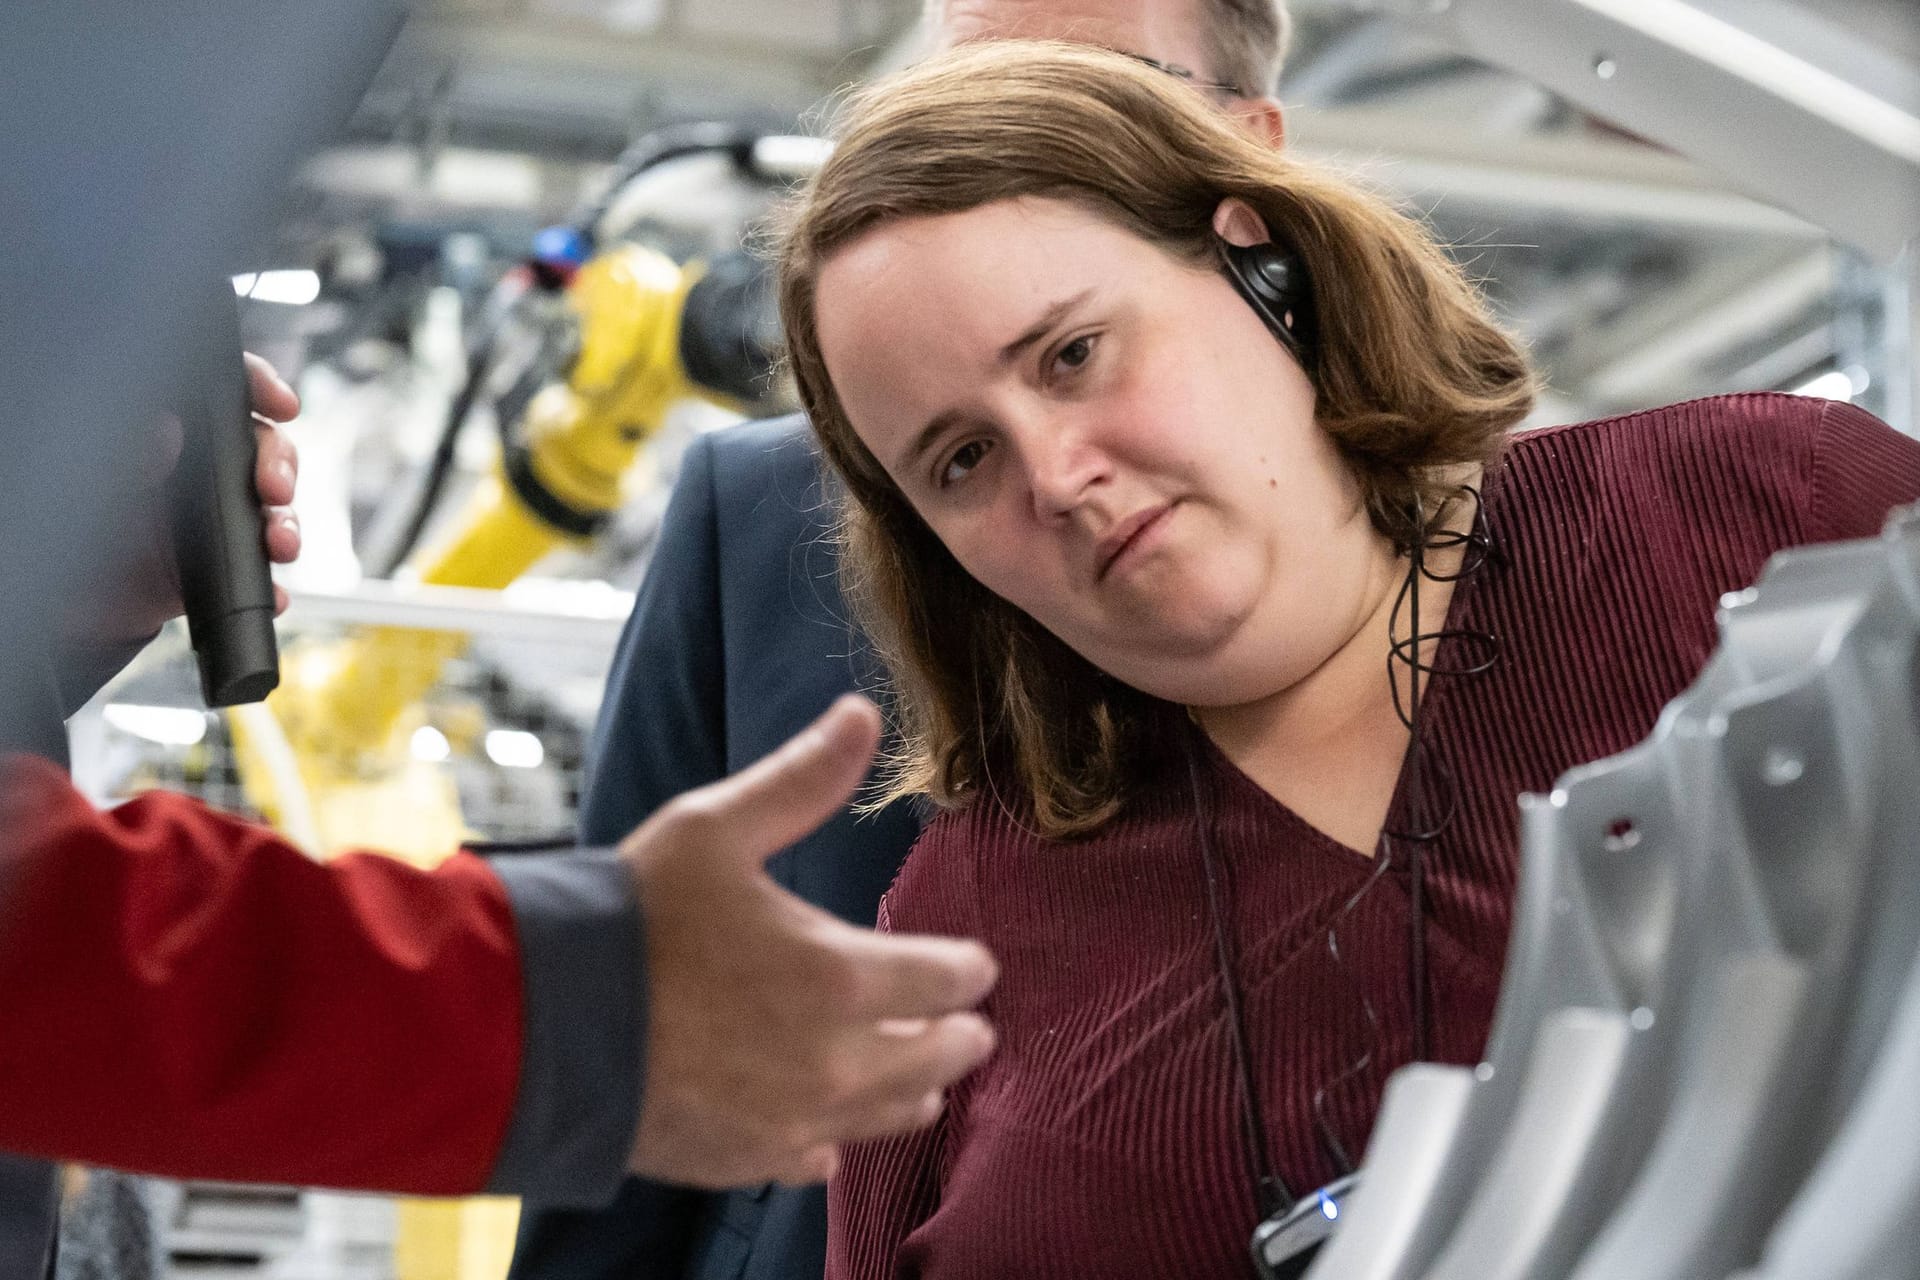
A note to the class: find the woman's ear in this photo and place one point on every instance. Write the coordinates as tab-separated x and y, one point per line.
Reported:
1235	222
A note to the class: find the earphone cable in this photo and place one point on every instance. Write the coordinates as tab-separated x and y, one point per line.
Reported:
1271	1193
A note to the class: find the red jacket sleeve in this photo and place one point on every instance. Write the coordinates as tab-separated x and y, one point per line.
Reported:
184	993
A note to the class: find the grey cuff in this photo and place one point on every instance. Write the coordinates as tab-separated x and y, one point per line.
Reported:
582	952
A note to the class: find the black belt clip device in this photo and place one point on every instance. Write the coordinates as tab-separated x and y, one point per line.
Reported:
1285	1245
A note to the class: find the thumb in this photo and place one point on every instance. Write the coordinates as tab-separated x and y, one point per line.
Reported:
792	790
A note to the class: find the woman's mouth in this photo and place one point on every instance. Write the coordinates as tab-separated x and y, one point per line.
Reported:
1128	539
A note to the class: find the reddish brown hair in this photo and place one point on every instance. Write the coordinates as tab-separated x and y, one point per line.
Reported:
1412	377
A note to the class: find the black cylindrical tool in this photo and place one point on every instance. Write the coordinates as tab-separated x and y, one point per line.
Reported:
218	541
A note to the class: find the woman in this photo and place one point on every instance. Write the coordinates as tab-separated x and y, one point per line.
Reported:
1156	445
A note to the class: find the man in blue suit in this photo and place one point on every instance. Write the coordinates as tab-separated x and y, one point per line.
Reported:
739	637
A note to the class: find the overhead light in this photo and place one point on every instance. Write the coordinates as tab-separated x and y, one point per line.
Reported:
1831	385
514	749
429	745
793	157
293	288
168	726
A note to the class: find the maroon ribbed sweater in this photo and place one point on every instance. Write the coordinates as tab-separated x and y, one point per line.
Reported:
1103	1138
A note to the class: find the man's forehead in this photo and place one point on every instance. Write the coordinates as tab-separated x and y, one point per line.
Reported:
1165	30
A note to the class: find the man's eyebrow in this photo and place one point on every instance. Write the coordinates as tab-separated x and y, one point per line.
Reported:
938	424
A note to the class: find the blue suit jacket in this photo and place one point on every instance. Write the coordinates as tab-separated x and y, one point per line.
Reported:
738	639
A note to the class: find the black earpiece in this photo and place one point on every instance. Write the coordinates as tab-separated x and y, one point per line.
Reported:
1274	283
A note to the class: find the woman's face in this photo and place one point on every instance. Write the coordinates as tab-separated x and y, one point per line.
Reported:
1108	438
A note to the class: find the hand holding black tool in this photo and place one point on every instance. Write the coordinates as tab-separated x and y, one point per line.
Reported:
217	541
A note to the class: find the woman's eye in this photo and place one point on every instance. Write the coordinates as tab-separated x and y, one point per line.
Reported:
963	460
1075	353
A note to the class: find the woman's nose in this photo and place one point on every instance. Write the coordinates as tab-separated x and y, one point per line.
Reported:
1064	462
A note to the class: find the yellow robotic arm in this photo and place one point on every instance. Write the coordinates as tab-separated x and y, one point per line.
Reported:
341	703
558	485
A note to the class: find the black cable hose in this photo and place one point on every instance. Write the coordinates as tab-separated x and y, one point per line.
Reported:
656	148
646	152
440	465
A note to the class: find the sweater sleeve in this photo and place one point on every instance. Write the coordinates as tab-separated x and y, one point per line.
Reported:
886	1190
1862	470
187	994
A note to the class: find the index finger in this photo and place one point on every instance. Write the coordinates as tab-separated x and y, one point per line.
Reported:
913	976
268	393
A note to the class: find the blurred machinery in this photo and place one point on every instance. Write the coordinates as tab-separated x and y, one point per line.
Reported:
1812	109
610	334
